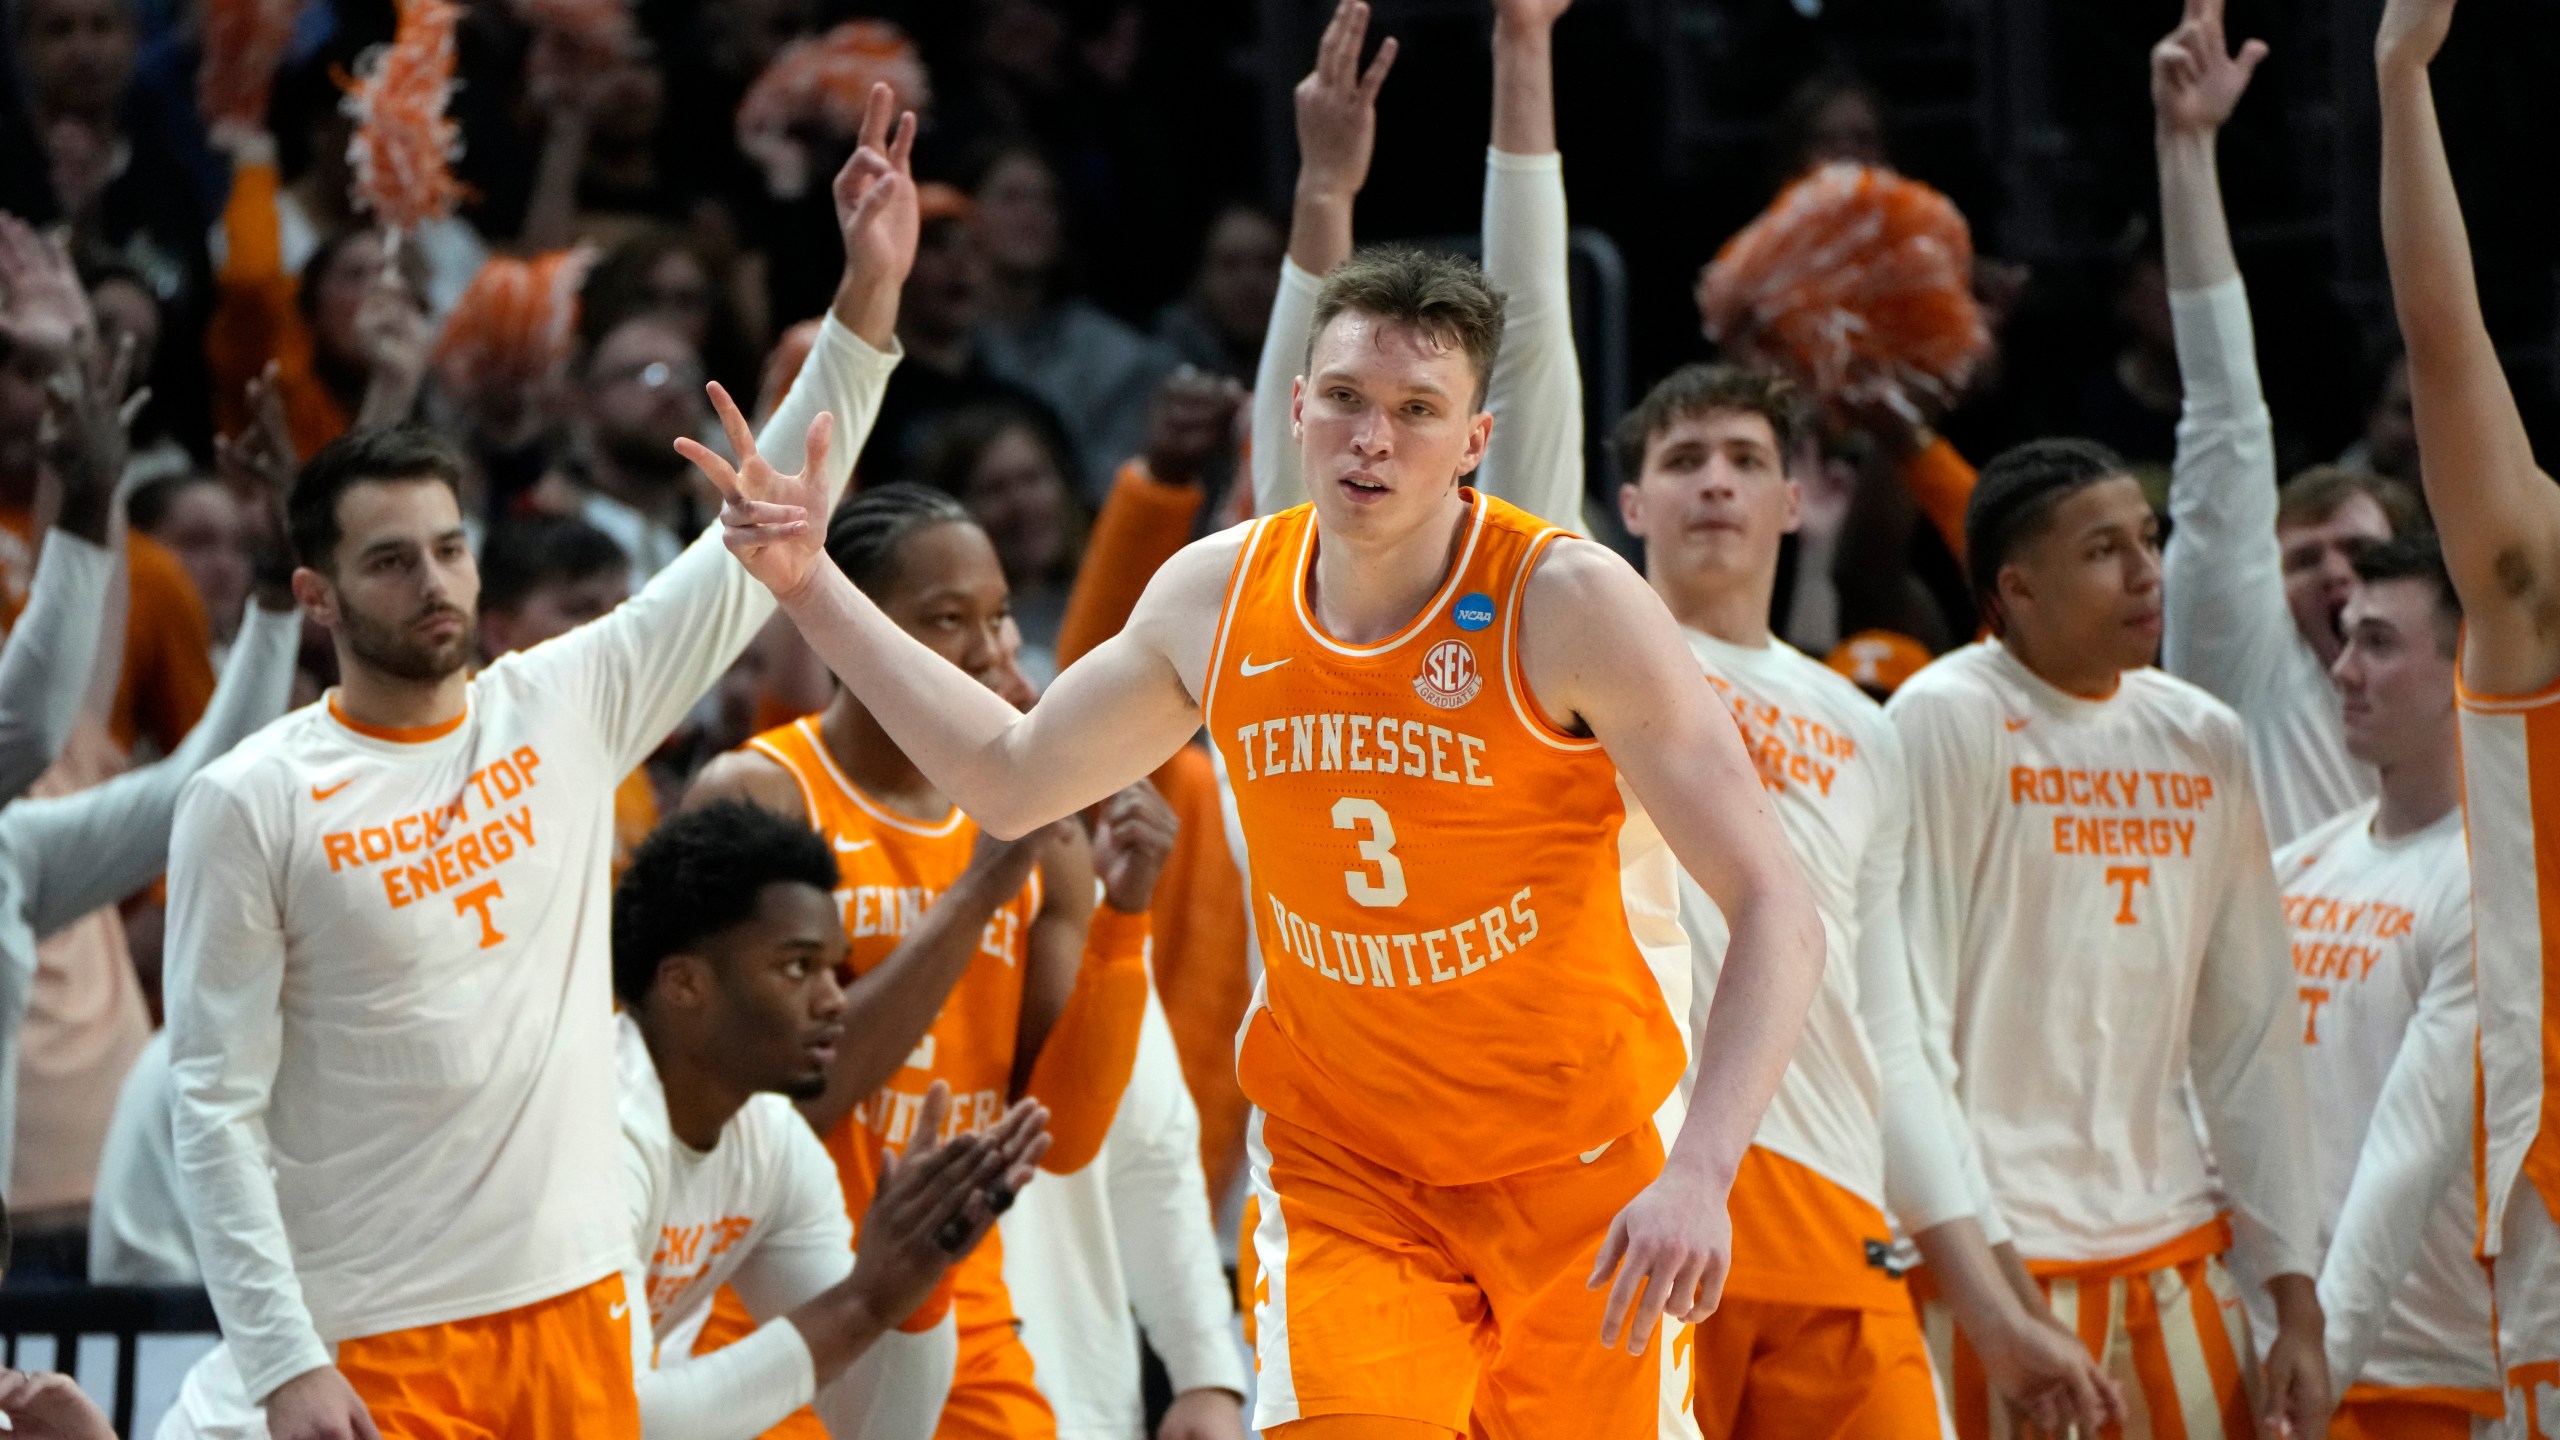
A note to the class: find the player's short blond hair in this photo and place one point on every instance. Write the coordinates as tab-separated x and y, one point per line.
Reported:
1445	296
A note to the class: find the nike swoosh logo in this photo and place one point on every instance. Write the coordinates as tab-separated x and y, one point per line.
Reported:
1248	669
2015	723
848	847
319	794
620	1308
1593	1154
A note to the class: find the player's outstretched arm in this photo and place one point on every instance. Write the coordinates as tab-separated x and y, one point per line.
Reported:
2498	513
1535	392
1106	723
1085	998
1337	110
1600	652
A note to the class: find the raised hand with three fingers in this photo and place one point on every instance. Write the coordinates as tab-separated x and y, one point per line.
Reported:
774	523
877	212
2196	78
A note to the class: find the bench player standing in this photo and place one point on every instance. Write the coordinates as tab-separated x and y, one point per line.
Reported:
2500	519
1473	1006
390	998
2094	925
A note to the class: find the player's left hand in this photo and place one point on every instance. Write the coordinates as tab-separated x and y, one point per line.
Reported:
938	1200
1669	1249
1203	1415
878	212
771	521
1132	836
42	1405
2298	1393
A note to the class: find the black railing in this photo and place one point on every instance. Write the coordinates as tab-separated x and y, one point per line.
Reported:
126	1312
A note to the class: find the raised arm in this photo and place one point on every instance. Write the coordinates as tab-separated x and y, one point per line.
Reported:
2499	514
639	669
1086	994
2228	625
1536	386
1337	108
1598	649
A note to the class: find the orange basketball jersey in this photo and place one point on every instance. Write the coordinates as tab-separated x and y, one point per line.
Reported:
1473	964
893	869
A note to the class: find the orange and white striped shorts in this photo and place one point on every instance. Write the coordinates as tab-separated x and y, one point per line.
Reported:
2525	1278
2166	1324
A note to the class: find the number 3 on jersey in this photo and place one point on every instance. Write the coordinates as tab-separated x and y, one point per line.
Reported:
1378	849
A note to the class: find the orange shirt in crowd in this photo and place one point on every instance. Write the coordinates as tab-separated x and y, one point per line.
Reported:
257	317
167	678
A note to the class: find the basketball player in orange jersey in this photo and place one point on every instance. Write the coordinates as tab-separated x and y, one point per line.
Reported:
983	963
390	1006
2500	517
1472	1011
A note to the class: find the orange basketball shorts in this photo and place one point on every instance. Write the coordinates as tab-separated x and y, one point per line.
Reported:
2525	1278
993	1393
1458	1306
2167	1325
1774	1371
2381	1415
558	1369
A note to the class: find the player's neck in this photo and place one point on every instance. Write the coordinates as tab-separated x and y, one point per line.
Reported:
700	1102
1364	592
384	701
2417	792
2072	671
1731	608
874	763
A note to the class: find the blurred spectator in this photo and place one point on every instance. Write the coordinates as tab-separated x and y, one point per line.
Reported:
2389	444
643	390
102	164
1834	114
938	319
1218	325
1096	372
127	310
662	272
2131	406
598	174
203	524
1003	464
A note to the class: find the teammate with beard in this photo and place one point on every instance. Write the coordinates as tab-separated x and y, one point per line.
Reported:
389	984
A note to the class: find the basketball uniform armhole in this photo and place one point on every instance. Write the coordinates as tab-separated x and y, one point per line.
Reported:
773	752
1227	612
1515	680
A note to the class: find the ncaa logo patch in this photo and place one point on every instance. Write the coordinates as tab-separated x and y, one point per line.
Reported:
1472	612
1449	676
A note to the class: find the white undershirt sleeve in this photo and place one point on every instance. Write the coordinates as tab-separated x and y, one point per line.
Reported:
1953	793
1926	1142
640	668
2245	1058
225	979
1278	482
1535	459
2417	1142
45	671
2226	621
1160	1209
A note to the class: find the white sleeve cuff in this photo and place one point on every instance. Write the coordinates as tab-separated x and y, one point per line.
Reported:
734	1393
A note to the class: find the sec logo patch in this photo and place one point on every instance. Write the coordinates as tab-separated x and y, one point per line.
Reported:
1449	676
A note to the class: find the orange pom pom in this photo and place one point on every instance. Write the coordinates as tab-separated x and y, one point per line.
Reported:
827	80
404	146
1859	283
515	323
244	41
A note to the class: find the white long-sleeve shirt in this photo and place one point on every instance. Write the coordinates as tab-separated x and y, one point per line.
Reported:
762	1212
1860	1103
2226	624
1126	1241
2094	929
2382	958
64	856
137	1231
1535	392
390	1001
51	654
